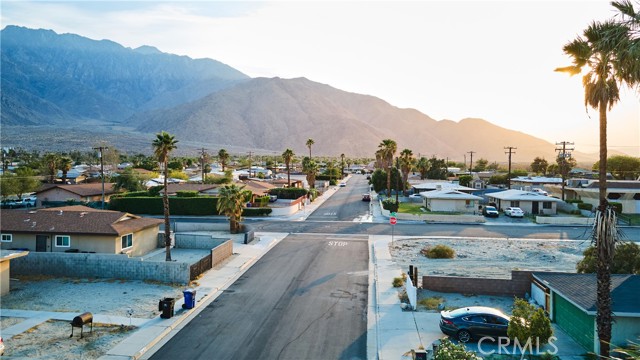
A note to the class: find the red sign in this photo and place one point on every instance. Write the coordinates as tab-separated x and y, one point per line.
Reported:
393	220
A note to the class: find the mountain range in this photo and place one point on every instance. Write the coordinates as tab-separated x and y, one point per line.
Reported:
63	92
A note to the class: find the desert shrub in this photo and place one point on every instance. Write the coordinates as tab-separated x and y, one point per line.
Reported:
431	303
398	281
450	351
438	252
585	206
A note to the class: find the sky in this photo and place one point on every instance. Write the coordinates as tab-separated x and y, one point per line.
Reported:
452	60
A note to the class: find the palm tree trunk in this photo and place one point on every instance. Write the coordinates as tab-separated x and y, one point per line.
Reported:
167	226
604	245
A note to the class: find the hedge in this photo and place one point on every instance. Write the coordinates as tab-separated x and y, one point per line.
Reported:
256	211
177	205
585	206
289	193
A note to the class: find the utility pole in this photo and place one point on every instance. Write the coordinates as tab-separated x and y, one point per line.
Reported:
471	162
397	181
510	148
203	156
564	155
101	148
250	162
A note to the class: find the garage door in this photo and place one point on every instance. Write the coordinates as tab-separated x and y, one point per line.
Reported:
575	322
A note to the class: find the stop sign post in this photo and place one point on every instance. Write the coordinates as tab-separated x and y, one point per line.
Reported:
393	220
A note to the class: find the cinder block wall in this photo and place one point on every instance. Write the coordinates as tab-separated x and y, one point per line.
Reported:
197	241
221	252
109	266
518	285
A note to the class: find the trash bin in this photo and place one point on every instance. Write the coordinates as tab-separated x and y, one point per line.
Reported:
166	306
189	299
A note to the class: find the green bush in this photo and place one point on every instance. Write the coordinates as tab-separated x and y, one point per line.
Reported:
202	205
450	351
585	206
390	204
617	207
573	201
133	194
438	252
529	323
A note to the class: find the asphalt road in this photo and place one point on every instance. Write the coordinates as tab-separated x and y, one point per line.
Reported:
305	299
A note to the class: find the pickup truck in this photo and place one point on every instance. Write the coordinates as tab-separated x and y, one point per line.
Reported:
28	201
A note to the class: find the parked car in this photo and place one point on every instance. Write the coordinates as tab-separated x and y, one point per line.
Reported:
1	347
343	184
415	196
490	211
474	322
541	192
366	197
514	212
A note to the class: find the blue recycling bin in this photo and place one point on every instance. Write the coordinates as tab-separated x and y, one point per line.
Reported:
189	299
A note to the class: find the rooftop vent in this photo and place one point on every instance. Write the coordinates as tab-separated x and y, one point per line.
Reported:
33	225
60	213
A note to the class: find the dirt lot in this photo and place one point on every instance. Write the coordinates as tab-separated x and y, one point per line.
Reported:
50	340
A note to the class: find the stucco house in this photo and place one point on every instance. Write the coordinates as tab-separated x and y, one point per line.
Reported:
450	201
530	202
570	301
528	183
59	193
625	192
440	185
78	229
202	189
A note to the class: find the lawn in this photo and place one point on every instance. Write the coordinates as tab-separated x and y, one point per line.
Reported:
417	209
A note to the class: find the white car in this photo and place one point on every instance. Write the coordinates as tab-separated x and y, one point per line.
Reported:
514	212
541	192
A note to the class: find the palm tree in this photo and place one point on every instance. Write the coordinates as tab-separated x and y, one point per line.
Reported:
64	165
342	166
287	156
223	155
163	145
423	166
387	150
310	168
407	161
51	163
309	143
231	203
605	51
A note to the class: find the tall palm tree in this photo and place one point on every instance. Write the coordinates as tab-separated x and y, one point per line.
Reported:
387	150
223	155
309	143
310	168
231	203
407	162
342	165
163	145
287	156
604	52
64	165
51	164
423	166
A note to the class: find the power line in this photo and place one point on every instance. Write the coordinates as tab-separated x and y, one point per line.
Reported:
510	148
564	155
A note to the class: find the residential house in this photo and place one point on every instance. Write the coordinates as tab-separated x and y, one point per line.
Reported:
78	229
530	202
625	192
450	201
571	302
440	185
202	189
74	176
528	183
61	193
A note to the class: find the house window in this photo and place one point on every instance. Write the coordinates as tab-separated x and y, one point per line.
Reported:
614	196
7	238
63	241
127	241
546	205
515	204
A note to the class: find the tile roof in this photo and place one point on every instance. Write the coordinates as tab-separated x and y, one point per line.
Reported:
81	189
581	290
76	219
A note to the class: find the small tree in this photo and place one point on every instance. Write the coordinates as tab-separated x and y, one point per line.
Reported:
231	203
529	324
626	259
465	180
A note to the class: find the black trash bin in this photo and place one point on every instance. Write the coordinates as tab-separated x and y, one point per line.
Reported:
166	306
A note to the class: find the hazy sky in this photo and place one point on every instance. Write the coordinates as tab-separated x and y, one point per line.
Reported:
448	59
